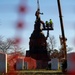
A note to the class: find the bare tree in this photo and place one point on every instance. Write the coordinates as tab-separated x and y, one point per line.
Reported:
61	52
8	46
51	42
69	49
51	46
55	54
18	50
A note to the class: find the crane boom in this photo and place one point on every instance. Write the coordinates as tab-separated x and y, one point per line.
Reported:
62	28
63	34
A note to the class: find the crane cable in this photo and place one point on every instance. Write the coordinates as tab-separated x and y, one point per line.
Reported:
38	6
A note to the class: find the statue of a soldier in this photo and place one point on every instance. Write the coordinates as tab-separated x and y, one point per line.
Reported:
37	14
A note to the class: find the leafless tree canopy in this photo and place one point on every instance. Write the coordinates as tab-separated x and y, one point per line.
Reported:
54	53
8	46
52	42
5	45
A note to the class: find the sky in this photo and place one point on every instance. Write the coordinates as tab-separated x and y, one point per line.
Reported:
9	15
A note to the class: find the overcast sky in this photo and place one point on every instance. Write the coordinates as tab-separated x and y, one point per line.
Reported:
9	15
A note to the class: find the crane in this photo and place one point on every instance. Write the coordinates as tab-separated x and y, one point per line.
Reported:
63	39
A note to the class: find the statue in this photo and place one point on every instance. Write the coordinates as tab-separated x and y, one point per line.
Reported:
38	43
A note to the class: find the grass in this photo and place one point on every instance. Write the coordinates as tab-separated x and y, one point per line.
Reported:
37	72
41	72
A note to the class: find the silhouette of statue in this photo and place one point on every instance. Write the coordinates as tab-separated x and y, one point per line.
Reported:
37	14
37	43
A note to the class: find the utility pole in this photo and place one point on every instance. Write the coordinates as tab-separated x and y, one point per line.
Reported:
62	32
